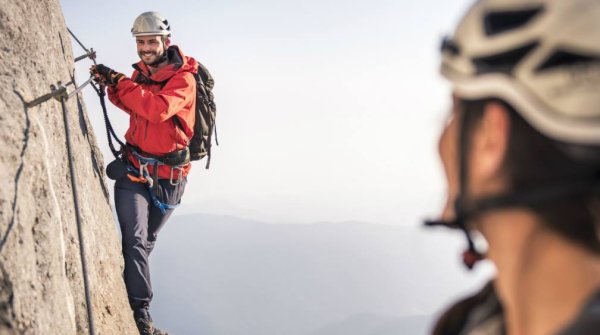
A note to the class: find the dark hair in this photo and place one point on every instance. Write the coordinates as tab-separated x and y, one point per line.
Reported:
534	160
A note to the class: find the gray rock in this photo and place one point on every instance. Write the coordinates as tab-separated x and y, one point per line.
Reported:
41	283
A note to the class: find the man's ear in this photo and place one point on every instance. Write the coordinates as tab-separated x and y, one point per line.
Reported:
167	42
491	140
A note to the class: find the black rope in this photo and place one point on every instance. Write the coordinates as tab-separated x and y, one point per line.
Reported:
84	268
110	132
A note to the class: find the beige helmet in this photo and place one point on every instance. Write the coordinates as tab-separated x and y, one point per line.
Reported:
541	56
151	23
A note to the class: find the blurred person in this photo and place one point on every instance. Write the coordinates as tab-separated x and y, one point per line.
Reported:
521	154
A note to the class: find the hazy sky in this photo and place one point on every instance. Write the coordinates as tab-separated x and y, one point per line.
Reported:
327	110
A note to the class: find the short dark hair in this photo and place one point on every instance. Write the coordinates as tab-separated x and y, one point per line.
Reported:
533	160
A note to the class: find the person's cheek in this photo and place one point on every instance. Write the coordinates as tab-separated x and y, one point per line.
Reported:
449	156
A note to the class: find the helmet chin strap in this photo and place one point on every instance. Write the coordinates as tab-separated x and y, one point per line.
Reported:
471	255
466	210
539	196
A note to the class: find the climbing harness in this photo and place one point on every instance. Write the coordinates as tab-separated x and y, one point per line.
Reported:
142	175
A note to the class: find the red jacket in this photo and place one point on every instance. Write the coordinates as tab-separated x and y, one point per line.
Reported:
152	108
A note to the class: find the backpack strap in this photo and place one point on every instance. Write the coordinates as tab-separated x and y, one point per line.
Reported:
205	84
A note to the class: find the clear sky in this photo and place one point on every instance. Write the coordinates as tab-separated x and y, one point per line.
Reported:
327	110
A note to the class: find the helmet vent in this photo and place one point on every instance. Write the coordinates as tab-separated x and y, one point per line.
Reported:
565	59
503	62
450	46
499	22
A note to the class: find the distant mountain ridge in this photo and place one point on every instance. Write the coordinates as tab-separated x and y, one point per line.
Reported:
368	324
217	275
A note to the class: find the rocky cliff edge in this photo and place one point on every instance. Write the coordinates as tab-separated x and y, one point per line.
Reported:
41	282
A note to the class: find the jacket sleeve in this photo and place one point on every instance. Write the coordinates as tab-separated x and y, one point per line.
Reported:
114	98
178	93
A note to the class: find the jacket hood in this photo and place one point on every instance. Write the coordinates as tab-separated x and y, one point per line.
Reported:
178	62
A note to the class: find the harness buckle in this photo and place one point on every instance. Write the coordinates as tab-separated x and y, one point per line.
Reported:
145	173
179	176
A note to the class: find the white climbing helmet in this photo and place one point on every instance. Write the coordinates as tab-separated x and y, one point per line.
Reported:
541	56
151	23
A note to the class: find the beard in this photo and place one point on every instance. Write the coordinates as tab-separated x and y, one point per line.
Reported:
152	58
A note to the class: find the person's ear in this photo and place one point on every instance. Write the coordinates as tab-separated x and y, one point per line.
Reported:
490	142
167	42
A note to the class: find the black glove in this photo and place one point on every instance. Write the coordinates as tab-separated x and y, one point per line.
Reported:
106	75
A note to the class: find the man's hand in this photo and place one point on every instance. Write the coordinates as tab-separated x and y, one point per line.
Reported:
106	75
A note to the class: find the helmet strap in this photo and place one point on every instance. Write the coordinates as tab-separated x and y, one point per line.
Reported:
466	210
471	255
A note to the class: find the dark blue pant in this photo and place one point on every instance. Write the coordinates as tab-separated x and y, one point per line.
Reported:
140	222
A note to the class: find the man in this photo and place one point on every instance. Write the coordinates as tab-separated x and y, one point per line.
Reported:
521	153
160	99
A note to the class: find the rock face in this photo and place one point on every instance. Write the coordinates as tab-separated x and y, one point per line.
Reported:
41	281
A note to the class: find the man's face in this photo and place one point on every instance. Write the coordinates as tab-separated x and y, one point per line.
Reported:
150	48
